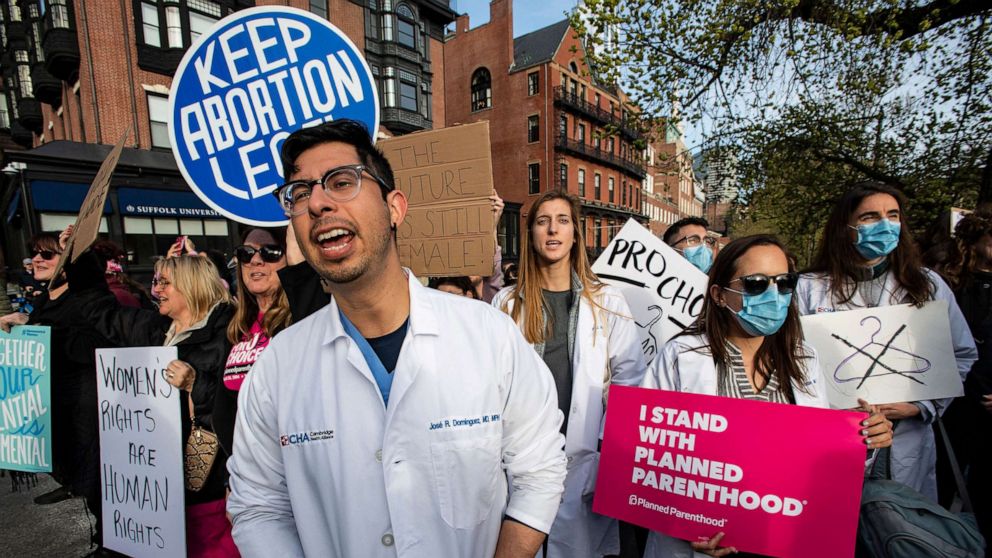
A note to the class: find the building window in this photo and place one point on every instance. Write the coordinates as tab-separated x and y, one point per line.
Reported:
597	100
597	232
173	27
482	90
582	182
406	27
150	25
610	189
609	144
563	127
158	119
623	193
508	233
597	182
59	11
573	88
580	133
563	177
534	178
319	7
573	67
22	60
145	238
533	128
4	115
408	91
389	86
582	92
202	15
532	83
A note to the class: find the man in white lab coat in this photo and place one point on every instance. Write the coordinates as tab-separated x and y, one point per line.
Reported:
397	420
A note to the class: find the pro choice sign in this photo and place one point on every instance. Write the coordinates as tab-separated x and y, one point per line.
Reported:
256	77
778	480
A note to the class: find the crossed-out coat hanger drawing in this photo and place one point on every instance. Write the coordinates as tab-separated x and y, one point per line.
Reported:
875	351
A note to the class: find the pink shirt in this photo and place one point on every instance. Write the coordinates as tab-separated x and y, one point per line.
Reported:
244	354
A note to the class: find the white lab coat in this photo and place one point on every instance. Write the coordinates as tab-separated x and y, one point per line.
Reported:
423	477
606	350
913	453
686	365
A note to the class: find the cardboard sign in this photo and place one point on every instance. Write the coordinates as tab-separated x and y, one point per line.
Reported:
141	453
664	291
255	77
25	399
447	176
887	354
87	226
692	466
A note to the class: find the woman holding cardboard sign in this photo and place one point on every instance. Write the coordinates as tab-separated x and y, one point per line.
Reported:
746	344
585	333
867	258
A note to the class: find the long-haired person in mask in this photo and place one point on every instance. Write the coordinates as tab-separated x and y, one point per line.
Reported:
584	331
747	344
867	258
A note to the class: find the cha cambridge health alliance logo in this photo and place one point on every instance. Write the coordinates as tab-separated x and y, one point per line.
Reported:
304	437
243	87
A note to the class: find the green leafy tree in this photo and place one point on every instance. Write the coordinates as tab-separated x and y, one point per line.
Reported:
814	95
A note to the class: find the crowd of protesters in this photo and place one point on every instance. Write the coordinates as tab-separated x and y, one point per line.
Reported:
320	323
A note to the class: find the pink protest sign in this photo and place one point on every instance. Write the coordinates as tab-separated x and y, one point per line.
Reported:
780	480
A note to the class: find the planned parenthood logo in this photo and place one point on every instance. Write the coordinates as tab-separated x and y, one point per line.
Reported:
242	88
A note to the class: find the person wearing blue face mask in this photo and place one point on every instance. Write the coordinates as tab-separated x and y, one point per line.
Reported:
690	237
747	344
867	258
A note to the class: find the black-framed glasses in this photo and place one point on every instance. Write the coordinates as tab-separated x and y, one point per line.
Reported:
341	184
695	240
759	283
270	253
45	254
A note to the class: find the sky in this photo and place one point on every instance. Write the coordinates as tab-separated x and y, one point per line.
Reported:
528	15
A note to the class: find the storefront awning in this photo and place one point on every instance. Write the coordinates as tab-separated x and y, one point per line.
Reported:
63	197
163	203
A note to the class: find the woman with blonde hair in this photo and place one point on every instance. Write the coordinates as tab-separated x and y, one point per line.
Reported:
194	312
585	332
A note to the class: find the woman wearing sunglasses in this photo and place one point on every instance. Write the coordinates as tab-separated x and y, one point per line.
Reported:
867	258
263	311
75	427
194	312
747	344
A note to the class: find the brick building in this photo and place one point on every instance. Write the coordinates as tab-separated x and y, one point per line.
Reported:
553	126
677	193
78	73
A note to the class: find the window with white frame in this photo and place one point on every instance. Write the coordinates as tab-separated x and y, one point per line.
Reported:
158	120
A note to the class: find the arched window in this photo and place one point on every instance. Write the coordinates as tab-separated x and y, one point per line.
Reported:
482	90
572	66
406	26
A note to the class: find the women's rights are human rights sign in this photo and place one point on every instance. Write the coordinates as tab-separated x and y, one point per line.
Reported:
242	88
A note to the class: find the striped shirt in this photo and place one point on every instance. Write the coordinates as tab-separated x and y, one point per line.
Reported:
736	384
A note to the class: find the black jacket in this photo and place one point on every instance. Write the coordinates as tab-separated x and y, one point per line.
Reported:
205	349
975	300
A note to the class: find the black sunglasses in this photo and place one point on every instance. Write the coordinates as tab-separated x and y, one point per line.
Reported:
759	283
271	253
45	254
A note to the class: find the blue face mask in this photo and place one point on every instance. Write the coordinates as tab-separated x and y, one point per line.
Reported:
700	256
877	240
763	314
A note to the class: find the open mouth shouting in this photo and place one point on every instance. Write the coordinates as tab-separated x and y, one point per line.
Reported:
335	242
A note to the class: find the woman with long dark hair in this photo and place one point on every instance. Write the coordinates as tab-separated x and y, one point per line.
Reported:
586	335
747	344
867	258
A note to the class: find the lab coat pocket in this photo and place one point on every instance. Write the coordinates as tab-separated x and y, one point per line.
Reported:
465	476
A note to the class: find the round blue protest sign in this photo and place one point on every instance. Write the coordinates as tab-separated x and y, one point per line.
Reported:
242	88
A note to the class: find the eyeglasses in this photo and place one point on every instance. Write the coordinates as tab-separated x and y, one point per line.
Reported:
160	282
341	184
696	240
759	283
270	253
45	254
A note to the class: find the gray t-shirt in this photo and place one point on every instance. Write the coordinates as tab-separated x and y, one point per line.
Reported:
556	349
